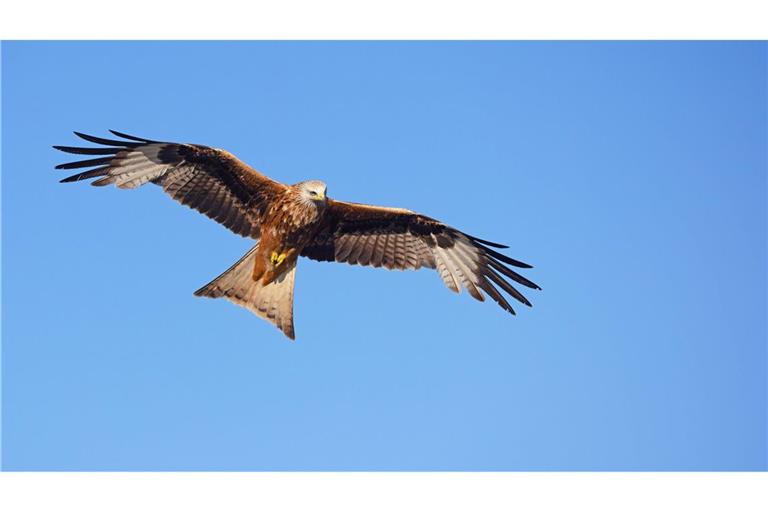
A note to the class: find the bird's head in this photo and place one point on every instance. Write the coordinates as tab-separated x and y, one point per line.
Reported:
313	191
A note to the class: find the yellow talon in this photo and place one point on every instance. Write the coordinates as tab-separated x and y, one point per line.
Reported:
276	259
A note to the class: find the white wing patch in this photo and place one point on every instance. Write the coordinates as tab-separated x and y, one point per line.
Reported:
457	267
135	167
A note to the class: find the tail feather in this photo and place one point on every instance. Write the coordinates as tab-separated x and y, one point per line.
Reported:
273	302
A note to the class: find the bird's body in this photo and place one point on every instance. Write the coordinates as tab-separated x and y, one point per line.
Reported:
289	221
289	225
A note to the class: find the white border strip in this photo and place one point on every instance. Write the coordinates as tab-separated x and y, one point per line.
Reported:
392	19
628	492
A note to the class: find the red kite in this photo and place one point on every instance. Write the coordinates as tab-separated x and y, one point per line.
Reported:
289	221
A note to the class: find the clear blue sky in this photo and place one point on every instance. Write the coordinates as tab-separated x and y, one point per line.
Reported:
632	176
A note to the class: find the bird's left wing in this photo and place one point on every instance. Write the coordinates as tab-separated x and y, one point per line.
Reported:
396	238
211	181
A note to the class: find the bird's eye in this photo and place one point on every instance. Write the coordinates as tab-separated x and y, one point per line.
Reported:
312	193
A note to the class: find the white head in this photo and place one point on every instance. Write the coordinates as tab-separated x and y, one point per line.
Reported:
313	191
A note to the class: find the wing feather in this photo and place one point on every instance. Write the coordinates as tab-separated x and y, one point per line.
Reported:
401	239
443	267
344	247
209	180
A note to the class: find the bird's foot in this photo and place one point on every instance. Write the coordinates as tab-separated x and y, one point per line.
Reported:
277	258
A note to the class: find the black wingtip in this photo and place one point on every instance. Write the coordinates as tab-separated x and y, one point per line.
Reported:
132	137
490	244
75	177
107	142
507	259
86	163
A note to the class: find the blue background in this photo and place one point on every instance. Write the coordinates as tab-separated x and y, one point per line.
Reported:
632	175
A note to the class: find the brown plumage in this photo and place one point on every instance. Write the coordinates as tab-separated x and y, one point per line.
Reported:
295	220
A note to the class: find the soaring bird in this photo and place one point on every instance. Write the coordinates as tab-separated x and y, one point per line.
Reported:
289	221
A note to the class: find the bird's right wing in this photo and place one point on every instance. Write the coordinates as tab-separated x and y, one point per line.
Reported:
211	181
395	238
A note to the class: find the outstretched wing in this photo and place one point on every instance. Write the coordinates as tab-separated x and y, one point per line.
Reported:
211	181
401	239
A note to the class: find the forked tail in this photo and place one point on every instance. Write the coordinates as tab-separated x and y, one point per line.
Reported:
273	302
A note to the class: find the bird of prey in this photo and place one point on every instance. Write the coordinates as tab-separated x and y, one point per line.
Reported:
289	221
